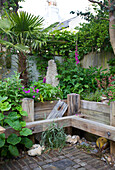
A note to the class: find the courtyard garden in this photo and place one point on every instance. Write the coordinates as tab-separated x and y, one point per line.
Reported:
22	35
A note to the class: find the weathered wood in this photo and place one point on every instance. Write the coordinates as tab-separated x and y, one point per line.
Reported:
42	110
94	127
96	106
39	126
59	110
2	130
112	123
74	121
28	106
97	116
73	101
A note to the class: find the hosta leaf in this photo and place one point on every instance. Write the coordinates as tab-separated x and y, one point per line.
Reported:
27	142
25	132
13	139
13	150
23	113
1	116
2	140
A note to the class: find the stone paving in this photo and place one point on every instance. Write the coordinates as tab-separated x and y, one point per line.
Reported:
70	158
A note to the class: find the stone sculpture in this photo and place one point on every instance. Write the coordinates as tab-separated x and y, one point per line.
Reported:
52	73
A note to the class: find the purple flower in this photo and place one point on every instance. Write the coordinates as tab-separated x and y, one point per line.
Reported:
29	91
22	87
37	90
23	90
33	96
32	88
19	88
44	80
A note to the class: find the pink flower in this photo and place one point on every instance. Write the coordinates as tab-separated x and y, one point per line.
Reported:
33	96
76	55
37	90
33	90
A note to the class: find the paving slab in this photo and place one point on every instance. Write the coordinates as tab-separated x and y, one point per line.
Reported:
70	158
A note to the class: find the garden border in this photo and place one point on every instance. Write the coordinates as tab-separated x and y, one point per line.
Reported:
73	119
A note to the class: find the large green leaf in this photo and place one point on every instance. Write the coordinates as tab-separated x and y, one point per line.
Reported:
1	116
2	140
27	142
5	106
13	116
13	150
23	113
17	125
19	47
13	139
2	99
25	132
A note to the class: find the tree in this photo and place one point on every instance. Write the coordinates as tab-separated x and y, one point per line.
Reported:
110	6
23	32
9	5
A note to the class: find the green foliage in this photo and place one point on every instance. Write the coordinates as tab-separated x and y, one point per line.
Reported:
2	140
47	92
58	43
13	150
75	79
13	139
111	63
11	92
53	137
96	96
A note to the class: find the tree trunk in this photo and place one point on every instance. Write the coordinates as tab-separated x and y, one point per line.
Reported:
22	68
111	29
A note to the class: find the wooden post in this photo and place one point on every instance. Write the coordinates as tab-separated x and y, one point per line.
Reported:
112	123
28	106
73	101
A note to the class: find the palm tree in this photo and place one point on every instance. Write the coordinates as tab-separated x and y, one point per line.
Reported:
24	32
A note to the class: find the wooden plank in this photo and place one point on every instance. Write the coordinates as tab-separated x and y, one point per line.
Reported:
28	106
73	101
112	123
94	127
39	126
2	130
97	116
97	106
42	110
59	110
41	115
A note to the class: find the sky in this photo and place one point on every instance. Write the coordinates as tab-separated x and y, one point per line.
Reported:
37	7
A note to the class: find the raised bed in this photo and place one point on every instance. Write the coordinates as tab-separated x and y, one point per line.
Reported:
97	118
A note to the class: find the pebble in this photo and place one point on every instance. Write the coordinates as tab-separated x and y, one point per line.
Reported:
84	143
